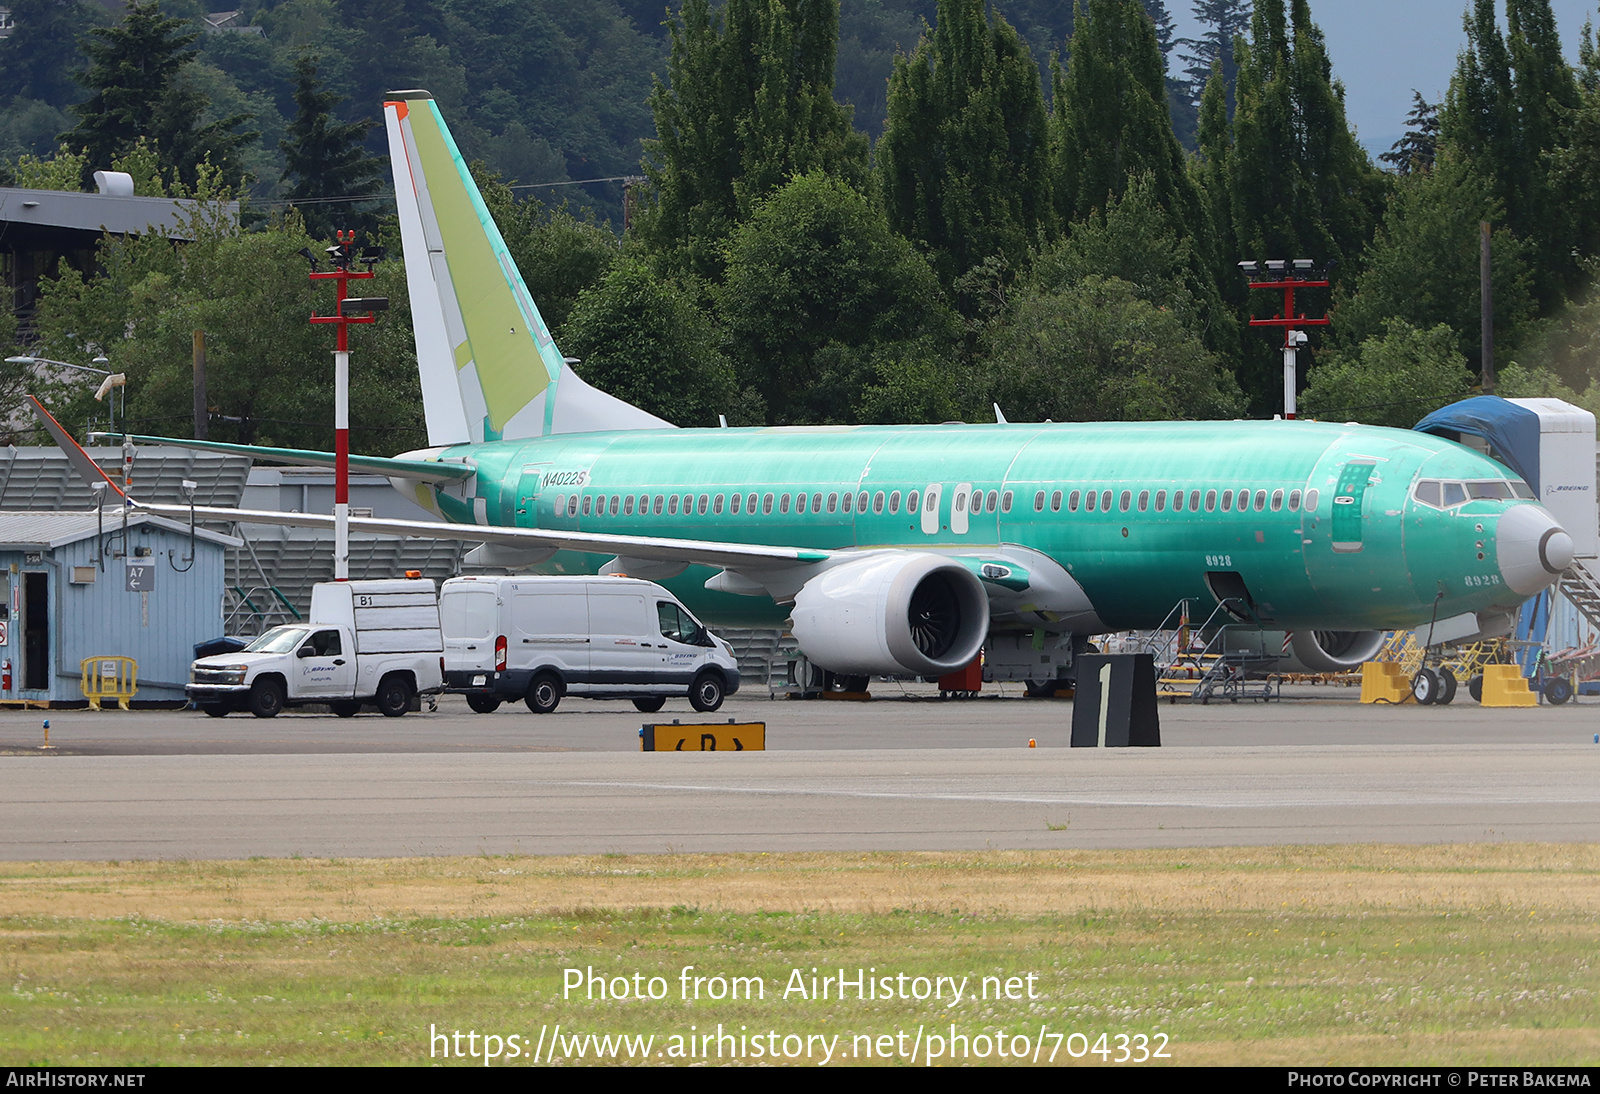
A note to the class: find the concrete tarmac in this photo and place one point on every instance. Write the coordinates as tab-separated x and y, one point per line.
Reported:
907	773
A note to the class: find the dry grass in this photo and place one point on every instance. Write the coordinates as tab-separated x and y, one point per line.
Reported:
1389	878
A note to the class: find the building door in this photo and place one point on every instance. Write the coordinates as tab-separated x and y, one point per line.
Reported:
36	631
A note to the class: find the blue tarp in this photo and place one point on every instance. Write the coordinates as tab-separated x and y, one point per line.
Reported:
1512	431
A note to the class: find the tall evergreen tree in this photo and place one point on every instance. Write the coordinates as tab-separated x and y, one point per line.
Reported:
137	90
1111	120
40	58
963	163
749	104
1300	185
1415	152
1506	112
1223	20
324	159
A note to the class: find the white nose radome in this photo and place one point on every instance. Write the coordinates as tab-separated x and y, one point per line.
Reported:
1532	548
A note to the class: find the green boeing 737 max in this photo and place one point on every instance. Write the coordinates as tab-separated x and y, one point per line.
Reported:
904	549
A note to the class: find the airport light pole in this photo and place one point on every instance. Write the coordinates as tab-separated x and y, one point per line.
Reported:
1279	274
340	256
112	380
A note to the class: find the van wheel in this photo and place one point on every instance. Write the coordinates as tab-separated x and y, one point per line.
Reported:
394	695
347	708
544	694
705	694
266	698
650	705
483	704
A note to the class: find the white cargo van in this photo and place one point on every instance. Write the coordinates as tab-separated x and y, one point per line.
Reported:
539	638
374	642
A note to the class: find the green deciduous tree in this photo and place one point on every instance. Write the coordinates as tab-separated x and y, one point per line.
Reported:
137	88
963	164
1394	378
748	104
269	372
643	339
821	298
1423	264
1095	351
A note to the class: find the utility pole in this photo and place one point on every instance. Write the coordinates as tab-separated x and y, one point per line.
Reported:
1279	274
340	256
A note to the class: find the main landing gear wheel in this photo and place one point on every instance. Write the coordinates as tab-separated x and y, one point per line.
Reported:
544	693
483	704
1475	688
1447	687
650	705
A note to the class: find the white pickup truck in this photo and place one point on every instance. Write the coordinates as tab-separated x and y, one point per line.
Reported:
374	642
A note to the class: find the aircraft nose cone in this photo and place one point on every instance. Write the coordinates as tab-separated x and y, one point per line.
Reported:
1532	548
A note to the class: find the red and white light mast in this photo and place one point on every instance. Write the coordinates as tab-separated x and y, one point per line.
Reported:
344	304
1279	274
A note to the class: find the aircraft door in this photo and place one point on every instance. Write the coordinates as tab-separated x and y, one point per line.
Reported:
1348	498
528	495
958	508
930	509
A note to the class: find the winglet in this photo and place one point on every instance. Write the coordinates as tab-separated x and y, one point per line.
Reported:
86	468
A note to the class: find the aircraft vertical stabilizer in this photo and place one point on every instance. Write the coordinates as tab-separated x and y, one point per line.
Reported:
490	370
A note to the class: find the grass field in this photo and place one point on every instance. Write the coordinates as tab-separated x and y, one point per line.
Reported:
1346	955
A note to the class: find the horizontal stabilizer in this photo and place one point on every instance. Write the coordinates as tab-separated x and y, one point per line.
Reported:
419	470
89	471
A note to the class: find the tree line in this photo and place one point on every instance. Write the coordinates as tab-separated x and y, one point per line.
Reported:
1048	233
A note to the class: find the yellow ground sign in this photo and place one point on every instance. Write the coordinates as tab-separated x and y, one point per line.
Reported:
713	737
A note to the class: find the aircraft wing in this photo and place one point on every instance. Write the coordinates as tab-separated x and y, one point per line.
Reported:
738	556
420	470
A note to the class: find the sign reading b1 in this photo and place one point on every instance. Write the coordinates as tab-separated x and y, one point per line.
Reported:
141	575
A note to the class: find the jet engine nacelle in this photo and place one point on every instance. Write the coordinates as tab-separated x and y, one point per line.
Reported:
892	613
1335	651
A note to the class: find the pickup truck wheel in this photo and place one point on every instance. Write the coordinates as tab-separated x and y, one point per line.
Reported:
705	694
215	710
266	698
483	704
394	695
650	705
544	694
349	708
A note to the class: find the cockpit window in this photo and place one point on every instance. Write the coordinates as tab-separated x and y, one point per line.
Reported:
1455	493
1496	489
1428	492
1447	495
1522	490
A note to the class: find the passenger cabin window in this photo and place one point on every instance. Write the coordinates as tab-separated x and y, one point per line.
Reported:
1294	501
716	503
1177	501
1144	500
1105	501
783	504
992	501
672	505
961	502
799	503
586	507
1194	500
849	502
1038	502
1161	500
1090	502
750	505
833	502
1311	501
656	507
816	503
1072	501
735	501
1261	501
1005	502
1277	500
572	506
894	502
1211	500
861	502
913	500
614	501
1055	501
627	506
766	503
1227	500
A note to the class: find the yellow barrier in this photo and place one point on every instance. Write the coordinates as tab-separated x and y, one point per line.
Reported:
109	678
1504	686
1384	682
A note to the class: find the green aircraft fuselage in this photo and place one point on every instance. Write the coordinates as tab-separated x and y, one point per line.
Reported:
1318	522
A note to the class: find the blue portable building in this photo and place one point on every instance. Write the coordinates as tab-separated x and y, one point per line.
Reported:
75	585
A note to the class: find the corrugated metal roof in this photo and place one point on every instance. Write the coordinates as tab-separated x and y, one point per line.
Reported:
52	530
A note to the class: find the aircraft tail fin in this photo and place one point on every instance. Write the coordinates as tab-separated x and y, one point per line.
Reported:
490	370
